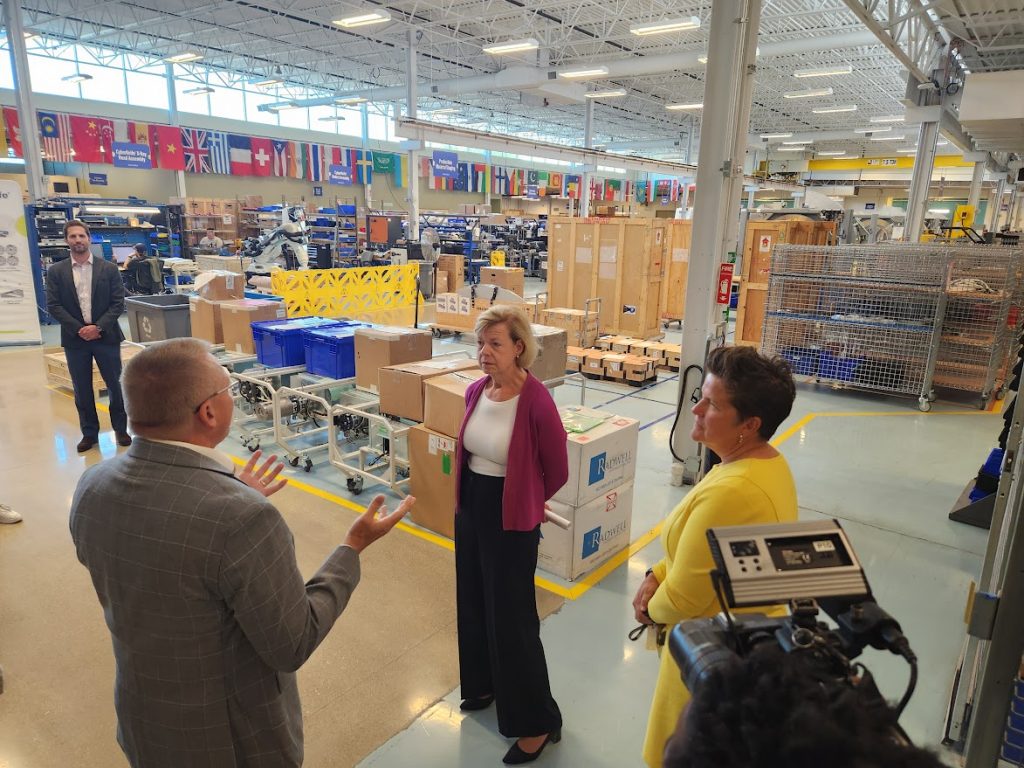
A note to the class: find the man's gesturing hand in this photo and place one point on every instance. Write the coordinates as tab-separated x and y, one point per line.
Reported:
368	527
262	478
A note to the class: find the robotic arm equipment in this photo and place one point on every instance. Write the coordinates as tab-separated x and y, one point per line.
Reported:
284	246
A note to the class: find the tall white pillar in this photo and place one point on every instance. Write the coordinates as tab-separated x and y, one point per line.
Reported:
974	196
997	206
172	118
414	177
364	137
920	181
724	127
588	142
30	146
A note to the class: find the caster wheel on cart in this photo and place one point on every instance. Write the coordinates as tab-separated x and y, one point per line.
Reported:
307	465
355	485
932	397
435	333
253	446
293	460
923	405
1001	394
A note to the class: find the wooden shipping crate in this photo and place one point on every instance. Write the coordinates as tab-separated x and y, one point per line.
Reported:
58	375
677	265
621	261
758	244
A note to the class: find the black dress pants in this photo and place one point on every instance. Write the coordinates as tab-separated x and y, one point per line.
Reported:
108	360
500	651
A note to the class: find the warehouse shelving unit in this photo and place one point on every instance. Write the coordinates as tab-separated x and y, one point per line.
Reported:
337	227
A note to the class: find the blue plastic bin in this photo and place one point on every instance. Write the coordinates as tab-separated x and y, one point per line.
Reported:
837	368
1014	737
331	351
279	342
994	463
804	360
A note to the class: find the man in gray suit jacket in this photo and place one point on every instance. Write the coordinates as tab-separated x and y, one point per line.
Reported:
195	570
86	296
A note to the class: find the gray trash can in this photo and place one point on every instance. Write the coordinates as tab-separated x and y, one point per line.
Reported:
155	318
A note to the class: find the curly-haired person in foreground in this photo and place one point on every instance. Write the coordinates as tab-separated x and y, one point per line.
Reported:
775	709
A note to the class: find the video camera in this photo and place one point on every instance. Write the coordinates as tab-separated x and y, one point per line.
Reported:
811	566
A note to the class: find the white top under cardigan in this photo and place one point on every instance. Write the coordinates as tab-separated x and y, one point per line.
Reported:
488	434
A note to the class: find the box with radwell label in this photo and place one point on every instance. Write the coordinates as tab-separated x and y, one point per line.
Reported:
602	453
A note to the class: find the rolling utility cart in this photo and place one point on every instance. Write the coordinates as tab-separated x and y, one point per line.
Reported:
255	414
302	415
367	446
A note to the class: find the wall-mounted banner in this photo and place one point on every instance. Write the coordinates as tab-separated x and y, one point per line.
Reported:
383	162
19	318
446	164
340	174
98	179
532	192
883	161
131	155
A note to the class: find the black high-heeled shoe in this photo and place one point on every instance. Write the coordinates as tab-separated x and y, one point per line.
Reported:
516	756
476	703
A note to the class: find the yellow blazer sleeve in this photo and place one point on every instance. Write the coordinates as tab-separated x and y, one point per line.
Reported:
686	592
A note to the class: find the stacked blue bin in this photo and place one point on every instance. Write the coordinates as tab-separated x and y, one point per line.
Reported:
331	351
1013	742
279	343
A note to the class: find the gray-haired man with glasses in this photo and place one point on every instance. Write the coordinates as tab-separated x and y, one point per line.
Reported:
195	570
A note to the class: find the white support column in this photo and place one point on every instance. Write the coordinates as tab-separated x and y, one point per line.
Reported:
1015	209
364	137
413	198
487	174
1011	207
30	145
996	207
689	140
172	118
920	181
724	127
974	196
588	142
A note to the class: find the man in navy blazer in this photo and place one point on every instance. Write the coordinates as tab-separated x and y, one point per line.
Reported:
86	296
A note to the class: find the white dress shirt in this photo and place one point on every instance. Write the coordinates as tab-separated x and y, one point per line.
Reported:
82	273
211	453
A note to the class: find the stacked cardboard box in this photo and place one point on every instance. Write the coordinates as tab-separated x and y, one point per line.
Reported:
551	352
378	347
535	306
613	366
597	498
639	369
454	310
574	359
444	404
580	326
593	362
510	278
402	386
432	458
236	318
455	266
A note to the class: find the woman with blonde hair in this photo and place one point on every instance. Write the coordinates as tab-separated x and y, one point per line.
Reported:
511	459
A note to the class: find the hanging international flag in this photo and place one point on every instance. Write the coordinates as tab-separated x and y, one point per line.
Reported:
294	161
240	155
262	156
542	183
168	151
364	166
55	128
572	186
196	148
280	157
462	177
220	152
11	121
91	138
384	162
3	140
533	178
479	178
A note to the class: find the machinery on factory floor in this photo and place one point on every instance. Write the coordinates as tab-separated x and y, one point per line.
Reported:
285	246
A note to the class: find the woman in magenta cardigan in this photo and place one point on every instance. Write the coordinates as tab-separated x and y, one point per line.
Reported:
511	459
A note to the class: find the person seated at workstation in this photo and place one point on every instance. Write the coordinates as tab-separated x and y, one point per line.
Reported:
211	243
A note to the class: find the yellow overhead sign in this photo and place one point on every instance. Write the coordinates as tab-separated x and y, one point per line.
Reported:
884	163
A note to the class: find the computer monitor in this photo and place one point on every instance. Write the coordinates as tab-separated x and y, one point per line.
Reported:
123	253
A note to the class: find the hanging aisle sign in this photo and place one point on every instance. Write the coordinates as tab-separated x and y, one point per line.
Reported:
19	319
340	174
127	155
446	164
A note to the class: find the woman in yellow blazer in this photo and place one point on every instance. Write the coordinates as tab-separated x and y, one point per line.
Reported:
745	398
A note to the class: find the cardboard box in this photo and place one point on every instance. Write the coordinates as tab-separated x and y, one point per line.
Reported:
659	351
236	317
432	480
640	347
205	318
673	355
455	266
440	282
639	368
510	278
601	457
444	401
535	306
574	358
613	365
622	344
593	362
582	328
386	345
220	285
600	529
551	355
605	342
252	201
402	386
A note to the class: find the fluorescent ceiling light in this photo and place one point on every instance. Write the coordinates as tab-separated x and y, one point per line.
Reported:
196	91
797	143
363	19
351	100
265	83
613	94
809	93
702	59
76	78
776	135
661	27
792	149
677	107
941	143
842	69
443	111
119	209
873	129
888	119
579	74
831	110
183	58
888	138
512	46
840	153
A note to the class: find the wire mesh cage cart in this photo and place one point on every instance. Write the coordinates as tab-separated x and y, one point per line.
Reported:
860	316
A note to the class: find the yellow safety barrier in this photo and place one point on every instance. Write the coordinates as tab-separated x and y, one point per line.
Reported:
497	258
346	292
